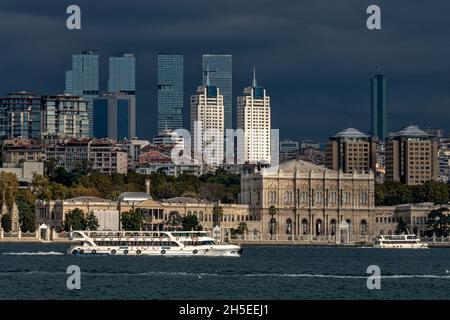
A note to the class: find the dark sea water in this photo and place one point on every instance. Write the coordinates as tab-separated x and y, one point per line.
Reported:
38	271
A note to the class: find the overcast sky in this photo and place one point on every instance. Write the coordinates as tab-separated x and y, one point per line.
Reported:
314	57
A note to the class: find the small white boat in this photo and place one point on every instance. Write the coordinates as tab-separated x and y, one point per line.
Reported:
170	243
403	241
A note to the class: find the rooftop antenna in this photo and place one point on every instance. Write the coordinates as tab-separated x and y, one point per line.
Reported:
207	77
378	70
254	78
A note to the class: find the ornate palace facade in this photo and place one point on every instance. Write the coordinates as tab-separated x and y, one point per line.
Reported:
299	199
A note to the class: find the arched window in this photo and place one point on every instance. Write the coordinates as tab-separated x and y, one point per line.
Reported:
304	197
363	198
318	197
288	198
305	226
333	227
363	227
318	227
289	226
272	197
333	197
347	197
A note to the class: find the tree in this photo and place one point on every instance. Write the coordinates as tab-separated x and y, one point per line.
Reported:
92	222
402	227
40	187
217	215
191	223
131	221
75	220
438	223
242	228
6	223
272	210
174	221
50	167
25	203
9	187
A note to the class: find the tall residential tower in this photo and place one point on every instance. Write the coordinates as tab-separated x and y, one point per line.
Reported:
253	117
207	125
378	107
170	92
83	80
122	73
351	151
412	156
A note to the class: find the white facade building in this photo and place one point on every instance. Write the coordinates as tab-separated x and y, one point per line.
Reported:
169	138
254	118
64	116
101	155
207	126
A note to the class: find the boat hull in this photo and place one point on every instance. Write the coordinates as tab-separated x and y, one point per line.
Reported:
216	250
401	246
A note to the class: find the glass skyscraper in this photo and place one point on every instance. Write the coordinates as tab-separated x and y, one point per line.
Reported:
122	73
83	80
170	92
378	107
219	67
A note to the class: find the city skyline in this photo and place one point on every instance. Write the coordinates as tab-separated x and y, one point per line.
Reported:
326	76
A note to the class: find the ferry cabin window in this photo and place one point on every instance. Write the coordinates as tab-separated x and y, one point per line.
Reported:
198	243
138	243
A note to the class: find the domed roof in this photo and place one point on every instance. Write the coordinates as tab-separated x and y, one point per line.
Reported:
351	133
412	131
134	196
182	200
301	166
87	199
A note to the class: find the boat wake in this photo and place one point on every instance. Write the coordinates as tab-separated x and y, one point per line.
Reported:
39	253
248	275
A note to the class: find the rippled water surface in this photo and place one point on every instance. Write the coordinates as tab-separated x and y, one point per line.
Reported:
38	271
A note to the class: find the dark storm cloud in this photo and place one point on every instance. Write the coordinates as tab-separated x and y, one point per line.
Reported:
314	57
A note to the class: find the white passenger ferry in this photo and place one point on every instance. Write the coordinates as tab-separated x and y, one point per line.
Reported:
403	241
174	243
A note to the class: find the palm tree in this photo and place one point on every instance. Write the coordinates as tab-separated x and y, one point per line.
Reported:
217	214
272	212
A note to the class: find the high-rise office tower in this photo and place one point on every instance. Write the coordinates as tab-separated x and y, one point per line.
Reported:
207	125
170	92
64	116
378	106
122	73
411	156
20	116
351	151
115	116
253	117
219	69
83	80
